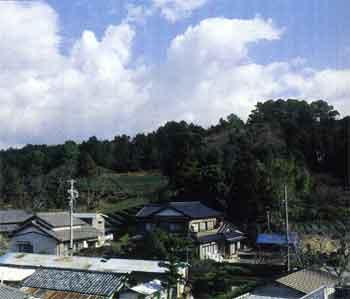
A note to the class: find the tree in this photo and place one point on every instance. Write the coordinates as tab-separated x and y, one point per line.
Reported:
86	165
336	261
3	244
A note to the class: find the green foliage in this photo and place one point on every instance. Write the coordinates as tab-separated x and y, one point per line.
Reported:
236	165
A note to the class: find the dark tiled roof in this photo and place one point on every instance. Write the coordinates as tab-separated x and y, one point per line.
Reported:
307	281
59	219
11	293
13	216
192	209
84	282
227	231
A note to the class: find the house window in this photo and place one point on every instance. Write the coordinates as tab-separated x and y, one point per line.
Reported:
195	227
202	227
25	247
210	225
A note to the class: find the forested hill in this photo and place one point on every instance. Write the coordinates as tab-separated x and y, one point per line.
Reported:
239	166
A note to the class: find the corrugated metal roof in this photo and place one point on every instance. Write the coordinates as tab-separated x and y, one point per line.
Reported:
84	282
276	239
49	294
32	260
192	209
307	281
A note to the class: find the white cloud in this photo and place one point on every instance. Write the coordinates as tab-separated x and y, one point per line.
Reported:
48	97
173	10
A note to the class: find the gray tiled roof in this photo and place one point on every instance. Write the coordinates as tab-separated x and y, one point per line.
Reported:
13	216
192	209
59	219
8	228
84	282
273	291
227	231
11	293
307	281
83	233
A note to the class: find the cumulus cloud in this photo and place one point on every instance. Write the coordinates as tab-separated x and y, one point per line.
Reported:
98	89
171	10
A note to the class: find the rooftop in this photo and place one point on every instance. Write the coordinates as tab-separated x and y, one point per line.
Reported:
84	282
307	281
11	274
11	293
148	288
191	209
59	219
13	216
30	260
85	232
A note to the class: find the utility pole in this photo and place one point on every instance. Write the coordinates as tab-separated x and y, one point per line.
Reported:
268	216
287	225
73	195
347	153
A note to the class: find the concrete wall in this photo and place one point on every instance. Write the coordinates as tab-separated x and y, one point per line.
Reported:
41	243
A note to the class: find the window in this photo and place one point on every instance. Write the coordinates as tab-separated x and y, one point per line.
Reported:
195	227
210	225
25	247
202	226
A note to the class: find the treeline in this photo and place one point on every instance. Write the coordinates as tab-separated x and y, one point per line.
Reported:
239	166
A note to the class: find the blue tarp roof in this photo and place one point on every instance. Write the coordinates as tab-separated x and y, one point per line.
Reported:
277	239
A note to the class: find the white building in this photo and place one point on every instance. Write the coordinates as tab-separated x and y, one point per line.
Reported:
49	233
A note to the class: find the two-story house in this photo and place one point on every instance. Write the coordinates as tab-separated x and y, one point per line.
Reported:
49	233
215	237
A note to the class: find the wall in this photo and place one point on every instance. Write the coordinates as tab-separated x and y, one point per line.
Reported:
41	243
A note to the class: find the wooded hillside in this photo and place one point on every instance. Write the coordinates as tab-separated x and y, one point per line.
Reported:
237	166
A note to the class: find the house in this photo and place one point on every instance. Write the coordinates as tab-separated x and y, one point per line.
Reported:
10	220
96	220
305	284
215	237
49	233
67	273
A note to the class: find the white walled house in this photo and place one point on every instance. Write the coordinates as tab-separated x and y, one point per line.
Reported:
49	233
215	237
96	220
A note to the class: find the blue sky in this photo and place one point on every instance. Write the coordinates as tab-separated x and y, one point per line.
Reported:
316	30
71	69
